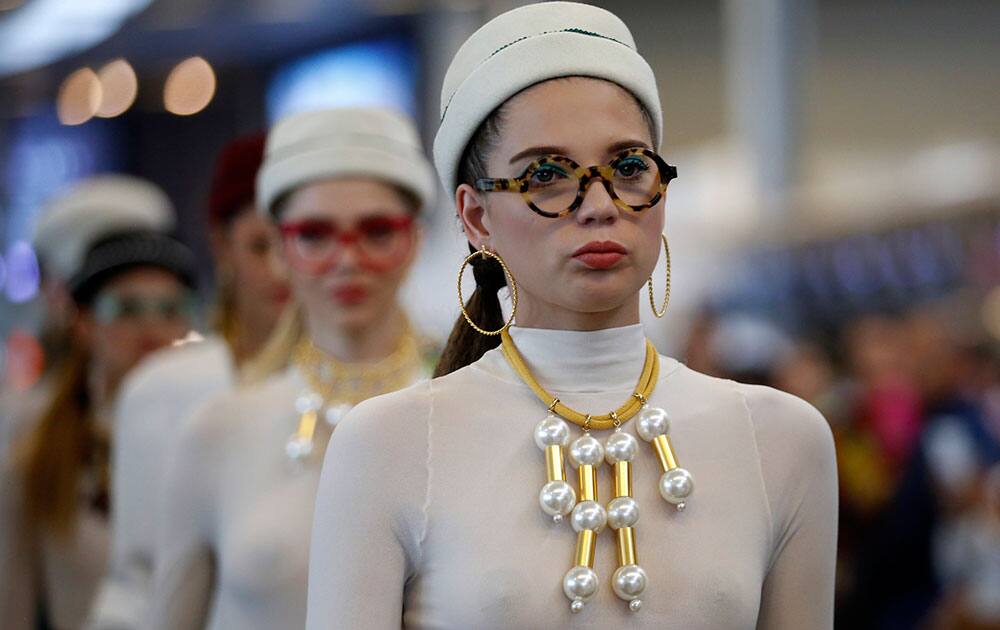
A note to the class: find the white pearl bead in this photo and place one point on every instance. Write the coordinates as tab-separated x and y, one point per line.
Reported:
653	422
620	447
635	605
589	515
629	581
622	512
676	485
333	415
551	431
308	401
557	498
298	447
586	450
580	583
576	605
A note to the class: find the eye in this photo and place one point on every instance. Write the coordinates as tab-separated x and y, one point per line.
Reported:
379	229
631	166
129	307
547	174
314	231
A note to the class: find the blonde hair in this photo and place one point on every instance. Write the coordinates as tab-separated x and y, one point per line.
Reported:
276	354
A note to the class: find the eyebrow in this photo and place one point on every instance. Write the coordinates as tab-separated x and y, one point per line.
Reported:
540	151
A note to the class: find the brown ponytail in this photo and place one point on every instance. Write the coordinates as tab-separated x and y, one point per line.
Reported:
465	345
64	444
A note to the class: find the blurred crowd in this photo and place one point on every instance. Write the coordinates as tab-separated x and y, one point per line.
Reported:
913	399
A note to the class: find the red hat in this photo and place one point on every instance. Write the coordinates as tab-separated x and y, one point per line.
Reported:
234	178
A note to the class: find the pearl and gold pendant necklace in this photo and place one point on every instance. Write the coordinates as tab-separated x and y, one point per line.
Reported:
587	516
334	387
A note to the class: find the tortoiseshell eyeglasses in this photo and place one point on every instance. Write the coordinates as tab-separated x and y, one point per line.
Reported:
554	185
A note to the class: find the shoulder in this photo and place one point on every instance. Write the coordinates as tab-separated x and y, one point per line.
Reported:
197	365
786	418
783	426
398	413
233	412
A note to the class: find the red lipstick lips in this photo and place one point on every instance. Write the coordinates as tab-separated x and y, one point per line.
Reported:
600	254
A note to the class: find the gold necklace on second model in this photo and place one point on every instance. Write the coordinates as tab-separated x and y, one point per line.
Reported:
587	516
333	387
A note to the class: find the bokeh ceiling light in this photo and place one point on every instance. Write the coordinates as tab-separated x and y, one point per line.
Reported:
43	31
119	87
79	97
190	87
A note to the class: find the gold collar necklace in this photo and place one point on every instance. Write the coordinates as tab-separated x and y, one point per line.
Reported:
333	387
587	516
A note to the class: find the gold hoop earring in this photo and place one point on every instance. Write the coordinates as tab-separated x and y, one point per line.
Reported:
513	291
666	298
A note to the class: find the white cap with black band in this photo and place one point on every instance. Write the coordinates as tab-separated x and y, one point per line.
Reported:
526	46
344	142
93	209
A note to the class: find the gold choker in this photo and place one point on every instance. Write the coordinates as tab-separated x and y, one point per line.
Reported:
333	387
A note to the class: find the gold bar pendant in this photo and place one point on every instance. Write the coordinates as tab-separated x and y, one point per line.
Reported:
554	467
588	483
626	546
307	425
586	548
665	452
623	479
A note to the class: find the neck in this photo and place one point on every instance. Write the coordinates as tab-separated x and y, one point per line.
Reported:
101	386
534	313
362	344
249	339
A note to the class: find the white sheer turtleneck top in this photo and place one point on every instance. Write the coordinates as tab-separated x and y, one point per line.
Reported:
163	391
234	550
427	514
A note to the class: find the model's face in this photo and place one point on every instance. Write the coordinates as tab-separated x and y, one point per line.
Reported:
136	313
589	121
247	253
348	244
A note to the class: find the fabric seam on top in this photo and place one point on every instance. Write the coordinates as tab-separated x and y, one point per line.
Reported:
576	30
760	472
426	508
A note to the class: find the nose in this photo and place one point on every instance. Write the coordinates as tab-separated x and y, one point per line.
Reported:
597	207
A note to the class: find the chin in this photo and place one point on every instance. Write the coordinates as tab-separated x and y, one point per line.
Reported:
355	317
595	293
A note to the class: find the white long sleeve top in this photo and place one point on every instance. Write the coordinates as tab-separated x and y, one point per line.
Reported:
155	399
427	514
239	511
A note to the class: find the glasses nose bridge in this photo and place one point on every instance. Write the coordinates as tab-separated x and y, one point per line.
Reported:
590	174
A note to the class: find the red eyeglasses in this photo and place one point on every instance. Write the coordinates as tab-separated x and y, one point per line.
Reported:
381	243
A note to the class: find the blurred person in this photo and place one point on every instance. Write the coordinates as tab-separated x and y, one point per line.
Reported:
429	513
169	385
346	188
131	287
899	580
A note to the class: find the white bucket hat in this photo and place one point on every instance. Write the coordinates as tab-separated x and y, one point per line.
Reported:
331	143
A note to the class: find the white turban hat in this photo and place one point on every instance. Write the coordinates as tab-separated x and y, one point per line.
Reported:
528	45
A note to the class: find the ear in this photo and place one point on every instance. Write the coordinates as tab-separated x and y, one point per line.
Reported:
218	238
472	213
83	327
